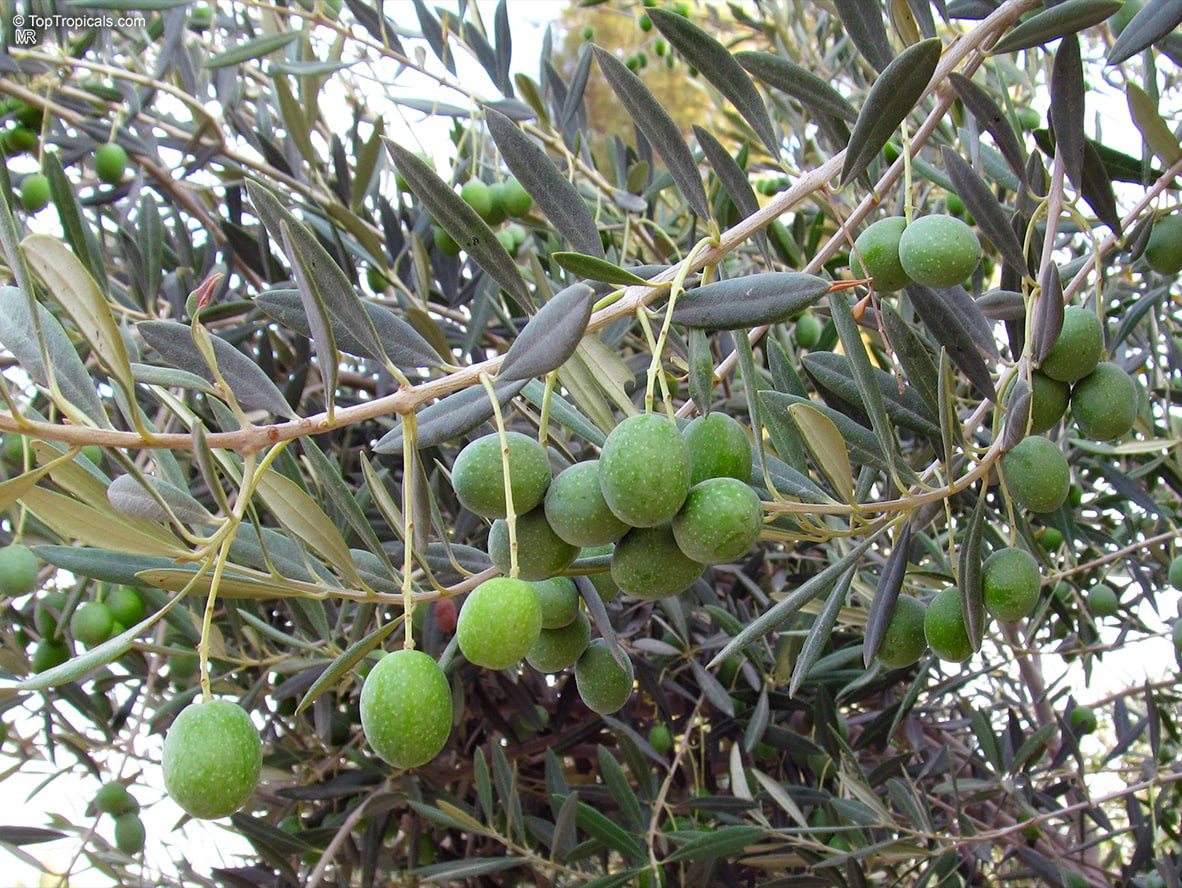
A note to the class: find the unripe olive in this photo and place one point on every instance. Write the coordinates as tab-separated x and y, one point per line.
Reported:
477	475
499	623
603	684
212	758
406	708
644	470
939	251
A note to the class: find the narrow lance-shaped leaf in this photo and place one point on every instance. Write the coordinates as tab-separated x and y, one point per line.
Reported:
251	49
1047	320
302	516
1017	417
832	371
460	221
1155	131
1069	17
578	87
1067	106
658	127
551	336
894	94
597	269
972	596
316	311
18	334
913	356
981	202
732	177
886	593
1156	19
820	632
452	416
786	608
719	67
802	84
770	297
950	331
551	190
343	664
860	441
863	22
432	32
128	495
989	116
1096	187
72	286
827	447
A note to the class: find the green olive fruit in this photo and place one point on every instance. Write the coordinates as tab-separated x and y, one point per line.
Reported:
49	653
541	553
719	522
212	758
1176	634
496	196
1010	580
943	626
1028	118
35	193
125	605
904	641
129	834
183	667
1174	573
20	139
14	448
1103	601
29	116
1104	403
406	708
1083	719
91	623
505	239
515	199
1036	474
499	622
660	738
110	163
376	279
1077	351
1051	538
46	612
1048	401
479	480
18	570
878	247
114	799
649	564
476	195
577	510
1164	250
559	600
644	470
939	251
444	242
807	330
556	649
519	234
602	683
588	33
94	453
719	448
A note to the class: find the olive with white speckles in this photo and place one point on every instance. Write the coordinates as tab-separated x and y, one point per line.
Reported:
644	470
719	448
720	521
576	509
649	564
212	757
939	251
406	708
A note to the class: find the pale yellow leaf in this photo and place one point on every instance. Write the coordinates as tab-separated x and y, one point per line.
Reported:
827	447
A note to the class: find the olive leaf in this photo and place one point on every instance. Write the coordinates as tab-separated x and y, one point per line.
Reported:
597	269
769	297
892	97
825	444
913	356
128	496
1154	130
658	127
1047	322
908	409
864	25
1067	107
991	218
802	84
1017	418
719	67
886	593
820	631
452	416
949	329
972	596
732	177
551	336
1069	17
1155	20
551	190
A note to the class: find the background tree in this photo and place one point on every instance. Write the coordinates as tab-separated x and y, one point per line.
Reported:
317	324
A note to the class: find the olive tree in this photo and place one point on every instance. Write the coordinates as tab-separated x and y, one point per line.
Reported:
436	465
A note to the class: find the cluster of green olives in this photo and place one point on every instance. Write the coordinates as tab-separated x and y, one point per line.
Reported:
935	250
494	204
110	165
113	799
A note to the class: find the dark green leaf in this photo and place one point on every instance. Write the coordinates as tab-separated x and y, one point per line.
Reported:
981	202
719	67
344	663
1156	19
1017	418
452	870
907	409
965	307
252	49
719	844
620	787
609	833
658	127
820	631
316	311
452	416
913	356
1069	17
989	116
597	269
433	33
800	83
732	177
99	564
551	190
864	25
894	94
28	835
701	370
1047	320
950	332
1096	188
1067	107
551	336
972	595
886	593
769	297
787	607
460	221
251	386
1002	305
563	839
1155	132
